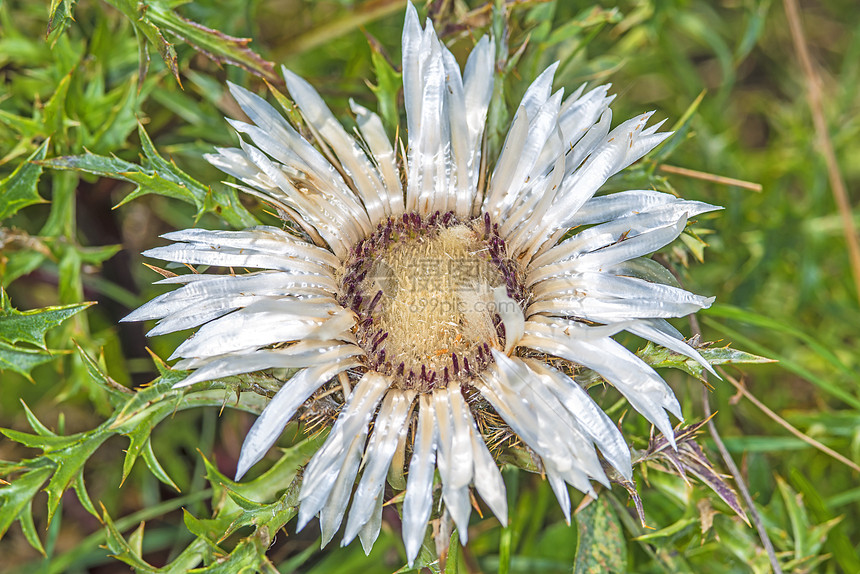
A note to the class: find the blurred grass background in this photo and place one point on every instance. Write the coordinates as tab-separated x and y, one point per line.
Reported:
776	259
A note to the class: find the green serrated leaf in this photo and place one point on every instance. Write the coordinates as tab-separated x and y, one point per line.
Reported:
20	189
121	549
59	16
283	472
388	83
194	554
27	128
157	176
210	530
213	44
115	390
661	357
246	557
70	462
452	564
46	443
145	28
135	541
31	326
120	117
138	438
695	244
22	360
25	518
84	496
155	467
670	530
601	547
35	424
19	494
147	181
242	502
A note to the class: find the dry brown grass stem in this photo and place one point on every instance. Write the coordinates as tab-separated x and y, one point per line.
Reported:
718	179
787	425
815	98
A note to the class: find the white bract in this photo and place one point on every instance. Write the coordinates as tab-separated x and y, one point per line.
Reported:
428	288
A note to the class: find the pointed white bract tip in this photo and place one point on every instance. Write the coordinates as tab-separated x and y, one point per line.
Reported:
411	18
412	550
304	518
671	438
237	91
242	468
293	80
130	317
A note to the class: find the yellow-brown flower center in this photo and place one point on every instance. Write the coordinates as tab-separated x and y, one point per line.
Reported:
423	292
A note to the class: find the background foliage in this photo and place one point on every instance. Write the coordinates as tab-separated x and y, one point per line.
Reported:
108	102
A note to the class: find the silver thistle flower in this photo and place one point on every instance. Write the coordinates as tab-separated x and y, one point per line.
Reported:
437	306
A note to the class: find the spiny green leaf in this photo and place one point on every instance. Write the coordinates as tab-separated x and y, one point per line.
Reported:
157	176
84	496
35	424
46	443
22	360
147	181
213	44
248	556
156	468
601	547
116	391
387	86
31	326
452	564
19	494
27	128
119	117
808	537
135	541
121	549
661	357
138	438
211	530
70	462
54	113
243	503
147	31
265	487
25	518
59	16
19	189
674	528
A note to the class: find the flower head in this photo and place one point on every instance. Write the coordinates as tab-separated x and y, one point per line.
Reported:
433	292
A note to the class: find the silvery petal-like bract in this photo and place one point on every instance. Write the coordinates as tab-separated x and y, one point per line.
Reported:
418	290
